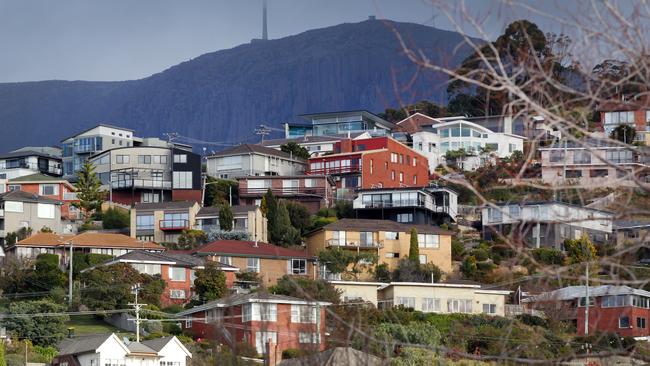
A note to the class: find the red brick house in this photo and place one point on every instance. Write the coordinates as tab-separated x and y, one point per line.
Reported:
379	162
626	111
51	187
176	269
270	261
256	318
313	191
612	309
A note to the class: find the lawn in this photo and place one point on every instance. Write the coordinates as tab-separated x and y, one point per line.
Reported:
89	324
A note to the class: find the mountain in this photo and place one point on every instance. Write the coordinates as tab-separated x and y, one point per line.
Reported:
224	95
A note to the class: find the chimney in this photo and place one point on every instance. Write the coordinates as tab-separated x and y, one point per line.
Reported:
271	353
346	145
507	124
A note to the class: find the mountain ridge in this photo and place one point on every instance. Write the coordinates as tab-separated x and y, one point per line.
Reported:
223	95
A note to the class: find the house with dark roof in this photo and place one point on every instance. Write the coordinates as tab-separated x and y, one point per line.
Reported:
389	240
253	160
265	321
163	222
269	261
86	242
109	349
19	209
177	269
247	218
23	162
51	187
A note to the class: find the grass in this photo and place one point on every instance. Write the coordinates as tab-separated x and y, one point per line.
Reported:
89	324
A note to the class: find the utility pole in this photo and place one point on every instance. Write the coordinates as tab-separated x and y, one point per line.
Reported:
70	277
262	131
137	308
587	300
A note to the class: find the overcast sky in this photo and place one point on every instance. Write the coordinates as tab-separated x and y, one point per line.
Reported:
130	39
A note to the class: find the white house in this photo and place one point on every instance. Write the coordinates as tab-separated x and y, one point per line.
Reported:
253	160
433	137
109	349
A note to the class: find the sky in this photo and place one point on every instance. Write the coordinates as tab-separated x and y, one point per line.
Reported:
132	39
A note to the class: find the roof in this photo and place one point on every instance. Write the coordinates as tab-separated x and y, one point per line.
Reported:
135	347
39	178
82	344
164	205
338	356
630	224
539	203
414	123
239	299
574	292
47	150
88	239
382	225
214	210
364	113
643	102
21	153
256	149
173	258
248	249
99	125
472	285
588	143
158	343
21	196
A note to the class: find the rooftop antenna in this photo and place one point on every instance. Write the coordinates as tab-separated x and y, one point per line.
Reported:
171	136
262	131
265	34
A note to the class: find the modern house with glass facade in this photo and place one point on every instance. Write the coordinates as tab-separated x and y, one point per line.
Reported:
78	148
426	205
338	123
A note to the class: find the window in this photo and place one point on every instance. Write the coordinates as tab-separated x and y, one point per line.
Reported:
177	294
298	266
304	337
401	177
514	212
393	157
431	305
338	238
459	305
490	308
253	265
290	185
581	157
619	156
159	159
556	156
182	180
150	269
405	218
422	258
366	239
122	159
401	158
46	211
392	175
175	220
177	273
144	159
415	161
144	222
304	314
415	179
391	235
614	301
572	173
261	338
13	187
428	241
180	158
582	302
495	214
391	255
596	173
371	166
224	259
624	321
149	197
640	323
265	312
49	189
407	302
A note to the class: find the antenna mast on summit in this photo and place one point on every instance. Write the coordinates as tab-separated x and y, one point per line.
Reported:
262	131
265	34
171	136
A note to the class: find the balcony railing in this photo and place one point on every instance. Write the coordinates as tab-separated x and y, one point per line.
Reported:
354	244
24	165
81	149
288	191
141	183
339	170
179	224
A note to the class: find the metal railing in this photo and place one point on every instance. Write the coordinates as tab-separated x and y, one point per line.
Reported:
25	165
178	224
339	170
354	244
288	191
141	183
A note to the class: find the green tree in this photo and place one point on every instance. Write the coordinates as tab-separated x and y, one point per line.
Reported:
47	272
41	330
580	250
391	335
226	217
457	249
281	232
414	249
46	229
88	191
409	271
306	288
548	256
469	267
18	235
295	150
210	283
114	218
111	287
3	362
82	261
218	191
191	239
299	216
344	210
624	133
336	260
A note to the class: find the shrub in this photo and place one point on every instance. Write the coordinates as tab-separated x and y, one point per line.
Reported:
457	249
548	256
291	353
114	218
532	320
172	328
480	254
216	234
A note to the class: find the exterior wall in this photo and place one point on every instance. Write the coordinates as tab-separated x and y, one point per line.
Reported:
319	194
271	269
162	236
389	296
606	320
14	220
355	291
257	225
253	164
27	165
187	286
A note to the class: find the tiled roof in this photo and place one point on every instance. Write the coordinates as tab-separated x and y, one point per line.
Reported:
21	196
382	225
158	343
171	205
40	178
21	153
628	224
251	148
238	299
176	258
135	347
82	344
248	249
88	239
214	210
414	123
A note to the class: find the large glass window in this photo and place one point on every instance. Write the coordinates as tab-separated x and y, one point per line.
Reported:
177	274
428	241
298	266
49	189
494	214
338	238
431	305
180	158
253	265
304	314
581	157
182	180
144	159
366	238
619	156
459	305
556	156
144	222
407	302
614	301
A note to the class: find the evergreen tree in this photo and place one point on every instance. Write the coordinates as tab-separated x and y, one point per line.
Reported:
210	283
284	234
623	133
225	217
414	250
295	150
88	192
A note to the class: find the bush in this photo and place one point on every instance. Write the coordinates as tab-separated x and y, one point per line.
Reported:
216	234
114	218
318	221
480	254
382	274
532	320
457	249
503	250
291	353
548	256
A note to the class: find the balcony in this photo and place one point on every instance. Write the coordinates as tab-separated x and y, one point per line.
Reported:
335	170
284	191
142	183
171	225
354	244
48	169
